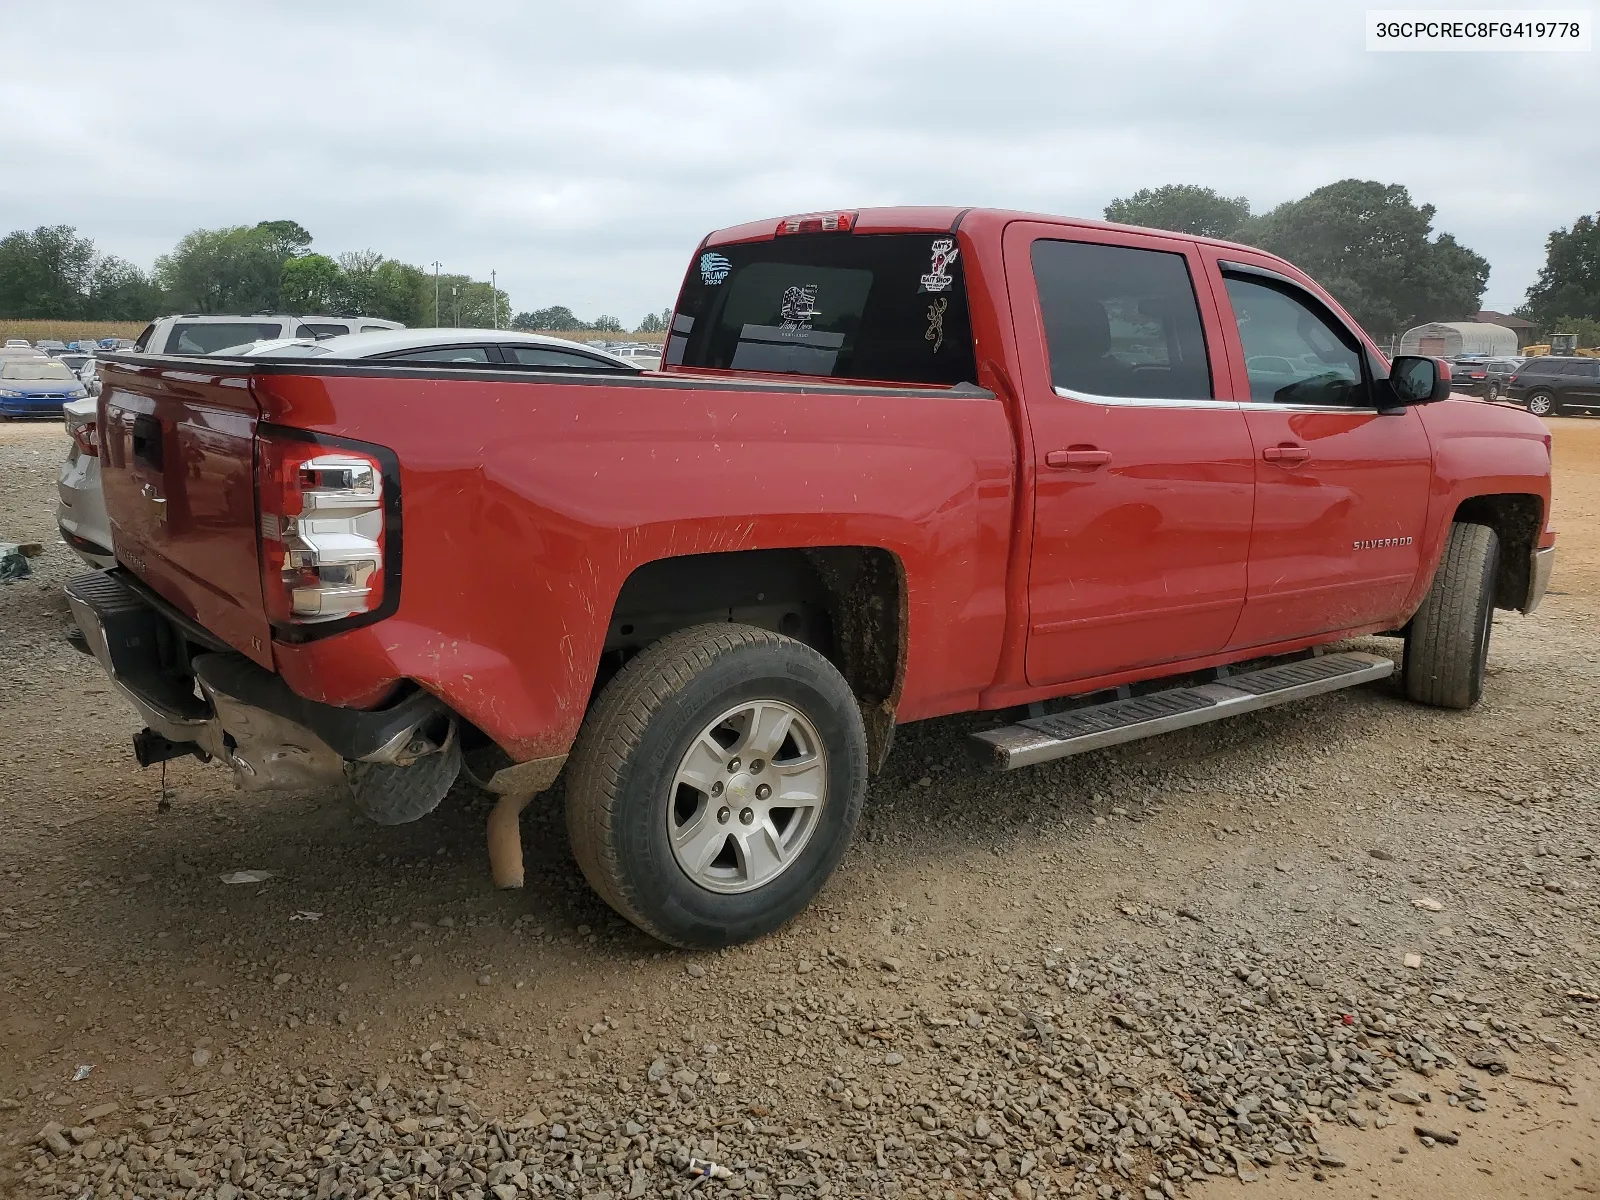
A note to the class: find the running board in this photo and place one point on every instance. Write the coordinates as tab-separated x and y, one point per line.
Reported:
1042	738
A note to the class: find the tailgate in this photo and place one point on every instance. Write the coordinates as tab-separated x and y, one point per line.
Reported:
178	469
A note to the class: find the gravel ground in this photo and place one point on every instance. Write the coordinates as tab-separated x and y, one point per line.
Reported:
1349	945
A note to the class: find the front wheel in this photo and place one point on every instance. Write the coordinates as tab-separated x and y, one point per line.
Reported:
1542	404
716	784
1447	642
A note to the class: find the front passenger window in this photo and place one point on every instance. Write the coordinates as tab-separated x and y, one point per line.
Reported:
1292	352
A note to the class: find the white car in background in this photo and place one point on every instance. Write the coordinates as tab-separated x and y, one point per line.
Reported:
483	347
81	513
641	354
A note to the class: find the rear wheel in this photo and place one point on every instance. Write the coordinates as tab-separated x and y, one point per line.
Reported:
1491	392
1543	404
1447	642
716	784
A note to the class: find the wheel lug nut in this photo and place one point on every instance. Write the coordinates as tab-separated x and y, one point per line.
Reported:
755	766
747	815
763	792
723	814
716	788
733	765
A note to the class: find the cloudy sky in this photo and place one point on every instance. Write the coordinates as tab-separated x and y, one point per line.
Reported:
583	150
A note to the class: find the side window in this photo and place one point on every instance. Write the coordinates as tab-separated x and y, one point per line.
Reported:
143	343
1553	367
1120	321
207	337
1588	370
1294	352
447	354
545	356
321	330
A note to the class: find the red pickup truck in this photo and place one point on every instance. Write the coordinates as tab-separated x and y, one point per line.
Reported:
897	463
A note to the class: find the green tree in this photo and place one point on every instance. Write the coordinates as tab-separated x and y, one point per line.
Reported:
234	270
1370	246
120	291
468	303
655	322
1569	282
1182	208
45	273
558	318
308	283
605	324
1587	329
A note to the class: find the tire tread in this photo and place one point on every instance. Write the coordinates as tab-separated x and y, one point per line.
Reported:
610	734
1442	666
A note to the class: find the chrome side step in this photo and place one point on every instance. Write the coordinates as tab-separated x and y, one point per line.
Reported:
1041	739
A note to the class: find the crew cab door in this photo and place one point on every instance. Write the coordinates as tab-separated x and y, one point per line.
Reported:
1143	477
1341	489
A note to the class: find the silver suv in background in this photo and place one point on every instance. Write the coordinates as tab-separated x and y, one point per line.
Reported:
193	334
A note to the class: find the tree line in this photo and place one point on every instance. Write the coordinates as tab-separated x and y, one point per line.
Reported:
1366	242
54	272
1376	252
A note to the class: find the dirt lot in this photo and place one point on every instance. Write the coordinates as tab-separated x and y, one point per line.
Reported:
1157	970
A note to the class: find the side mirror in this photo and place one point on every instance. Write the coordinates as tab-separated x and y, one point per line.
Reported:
1417	380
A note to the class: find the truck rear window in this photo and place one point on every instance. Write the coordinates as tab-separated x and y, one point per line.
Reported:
889	307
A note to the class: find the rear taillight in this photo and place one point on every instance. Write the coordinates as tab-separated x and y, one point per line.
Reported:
834	222
325	528
1511	379
86	437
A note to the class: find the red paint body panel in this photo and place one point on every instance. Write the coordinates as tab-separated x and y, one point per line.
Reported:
184	516
529	507
527	502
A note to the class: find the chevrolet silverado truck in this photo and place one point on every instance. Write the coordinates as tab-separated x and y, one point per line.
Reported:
1098	481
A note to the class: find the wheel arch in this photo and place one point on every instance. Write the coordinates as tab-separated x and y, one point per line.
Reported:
1516	518
847	602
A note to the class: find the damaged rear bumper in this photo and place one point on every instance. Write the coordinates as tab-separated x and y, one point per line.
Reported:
226	707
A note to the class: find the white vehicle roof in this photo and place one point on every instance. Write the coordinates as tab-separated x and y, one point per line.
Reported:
390	341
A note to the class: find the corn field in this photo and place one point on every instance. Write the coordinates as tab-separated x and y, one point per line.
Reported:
68	331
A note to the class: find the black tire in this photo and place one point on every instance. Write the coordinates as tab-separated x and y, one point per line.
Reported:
1491	392
394	795
1447	642
620	777
1543	404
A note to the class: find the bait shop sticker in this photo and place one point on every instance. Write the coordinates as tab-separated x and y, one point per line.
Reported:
938	278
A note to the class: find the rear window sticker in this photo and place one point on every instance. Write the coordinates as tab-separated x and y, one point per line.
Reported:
798	307
714	268
935	332
938	278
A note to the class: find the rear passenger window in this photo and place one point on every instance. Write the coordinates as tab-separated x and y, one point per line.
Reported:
207	337
322	330
1121	321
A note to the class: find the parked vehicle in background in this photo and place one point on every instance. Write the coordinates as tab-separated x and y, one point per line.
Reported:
52	348
194	334
18	343
36	387
1496	372
327	327
899	463
1549	385
1467	374
444	346
81	506
641	354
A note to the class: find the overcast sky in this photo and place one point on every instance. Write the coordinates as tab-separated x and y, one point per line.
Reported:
583	150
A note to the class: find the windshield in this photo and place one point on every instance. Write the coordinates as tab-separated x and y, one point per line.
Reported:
30	368
890	307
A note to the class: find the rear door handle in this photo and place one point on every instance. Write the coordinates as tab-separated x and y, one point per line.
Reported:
1090	458
1287	455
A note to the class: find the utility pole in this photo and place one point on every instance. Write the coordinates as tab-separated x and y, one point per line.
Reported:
436	264
455	296
494	300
